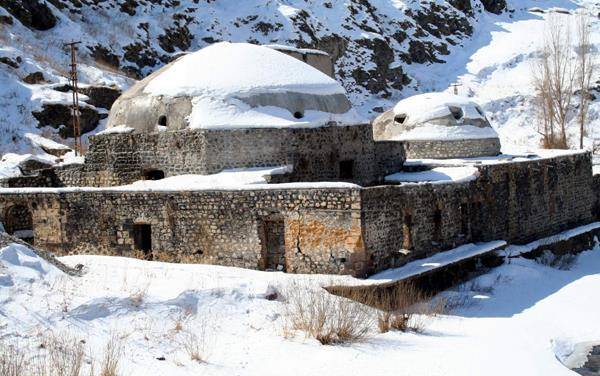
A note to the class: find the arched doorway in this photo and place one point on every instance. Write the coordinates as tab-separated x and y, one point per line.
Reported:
18	222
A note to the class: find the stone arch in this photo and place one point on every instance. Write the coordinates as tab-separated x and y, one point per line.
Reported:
18	221
153	174
162	121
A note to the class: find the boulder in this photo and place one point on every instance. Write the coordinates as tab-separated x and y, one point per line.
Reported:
34	78
99	96
494	6
57	115
34	14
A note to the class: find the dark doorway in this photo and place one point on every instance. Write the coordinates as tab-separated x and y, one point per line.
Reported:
162	121
154	175
142	238
18	222
274	245
347	169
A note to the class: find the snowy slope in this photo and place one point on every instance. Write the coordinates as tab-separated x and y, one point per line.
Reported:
384	50
522	318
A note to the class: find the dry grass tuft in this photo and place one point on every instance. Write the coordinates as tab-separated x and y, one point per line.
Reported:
327	318
138	296
12	360
195	339
56	355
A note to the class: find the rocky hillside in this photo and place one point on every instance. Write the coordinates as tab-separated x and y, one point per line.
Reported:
383	49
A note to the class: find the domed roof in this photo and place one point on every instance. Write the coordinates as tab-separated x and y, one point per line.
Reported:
434	116
234	85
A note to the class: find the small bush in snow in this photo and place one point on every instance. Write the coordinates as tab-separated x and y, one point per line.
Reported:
329	319
113	351
196	337
12	360
561	262
403	308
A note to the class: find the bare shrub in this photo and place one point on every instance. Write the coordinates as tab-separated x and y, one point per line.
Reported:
63	356
113	351
195	339
329	319
553	79
12	360
561	262
138	296
403	307
585	70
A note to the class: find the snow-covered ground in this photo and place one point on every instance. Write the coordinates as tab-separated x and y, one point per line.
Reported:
522	318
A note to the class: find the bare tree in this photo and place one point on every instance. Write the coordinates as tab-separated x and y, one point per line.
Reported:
585	70
554	78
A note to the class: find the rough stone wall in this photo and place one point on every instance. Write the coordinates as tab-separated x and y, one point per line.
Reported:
517	202
596	189
390	157
315	153
322	226
452	148
326	230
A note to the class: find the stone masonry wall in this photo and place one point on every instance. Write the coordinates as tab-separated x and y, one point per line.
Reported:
322	227
596	189
452	148
355	231
315	153
517	202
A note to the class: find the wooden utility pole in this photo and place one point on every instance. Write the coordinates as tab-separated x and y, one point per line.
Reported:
75	91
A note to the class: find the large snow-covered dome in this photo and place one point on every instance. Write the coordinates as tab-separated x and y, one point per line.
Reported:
439	125
233	85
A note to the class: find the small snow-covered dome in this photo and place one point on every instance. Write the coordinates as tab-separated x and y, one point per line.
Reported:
438	125
233	85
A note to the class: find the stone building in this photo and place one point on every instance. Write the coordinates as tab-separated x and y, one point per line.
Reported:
234	177
438	125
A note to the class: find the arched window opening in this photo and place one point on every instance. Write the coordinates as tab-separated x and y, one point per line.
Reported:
401	118
457	112
153	175
162	121
18	222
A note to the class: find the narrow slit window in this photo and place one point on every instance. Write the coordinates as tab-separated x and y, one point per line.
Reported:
407	231
437	225
347	169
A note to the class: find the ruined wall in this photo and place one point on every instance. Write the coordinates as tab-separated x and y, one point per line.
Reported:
315	153
452	148
322	227
517	202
